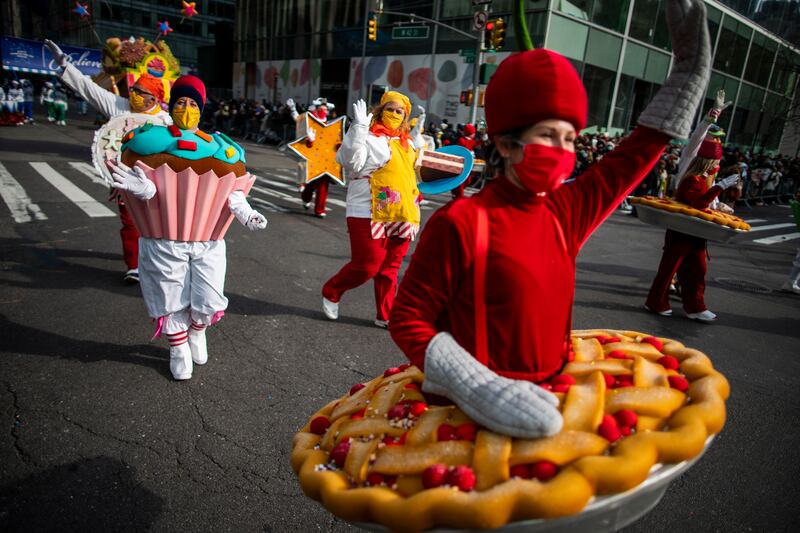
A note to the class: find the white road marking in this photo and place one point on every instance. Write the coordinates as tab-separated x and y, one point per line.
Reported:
778	238
17	200
294	189
277	194
754	220
771	226
89	171
89	205
269	205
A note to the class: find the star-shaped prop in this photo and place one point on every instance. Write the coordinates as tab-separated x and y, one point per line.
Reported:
163	28
81	9
188	9
320	157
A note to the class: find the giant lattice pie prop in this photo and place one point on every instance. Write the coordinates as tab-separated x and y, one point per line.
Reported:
387	453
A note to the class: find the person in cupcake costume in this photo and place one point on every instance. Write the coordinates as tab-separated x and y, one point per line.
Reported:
485	307
182	266
378	154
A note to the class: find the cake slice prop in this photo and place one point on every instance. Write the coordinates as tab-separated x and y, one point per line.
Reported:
320	153
107	143
444	169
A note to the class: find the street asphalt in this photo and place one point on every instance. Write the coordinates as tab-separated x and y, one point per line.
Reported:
98	437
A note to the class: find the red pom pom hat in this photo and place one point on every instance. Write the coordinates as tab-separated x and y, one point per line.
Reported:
190	86
532	86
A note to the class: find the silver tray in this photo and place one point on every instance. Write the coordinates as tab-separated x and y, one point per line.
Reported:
689	225
603	514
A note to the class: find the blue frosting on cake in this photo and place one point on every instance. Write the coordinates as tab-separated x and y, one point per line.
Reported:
149	139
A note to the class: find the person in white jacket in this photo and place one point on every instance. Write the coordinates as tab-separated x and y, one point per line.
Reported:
378	154
146	96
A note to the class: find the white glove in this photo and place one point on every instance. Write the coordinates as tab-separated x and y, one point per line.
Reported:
59	58
132	180
673	107
512	407
292	108
730	181
360	116
246	215
420	122
719	101
311	135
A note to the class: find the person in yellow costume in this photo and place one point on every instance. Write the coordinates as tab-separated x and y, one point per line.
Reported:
378	155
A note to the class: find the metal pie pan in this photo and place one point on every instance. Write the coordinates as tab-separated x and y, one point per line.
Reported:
602	514
689	225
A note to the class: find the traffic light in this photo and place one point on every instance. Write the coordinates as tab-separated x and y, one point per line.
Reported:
466	97
488	35
372	28
498	34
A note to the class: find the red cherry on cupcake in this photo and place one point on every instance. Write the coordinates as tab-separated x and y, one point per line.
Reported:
563	379
398	411
678	383
462	477
404	367
320	425
339	452
358	414
618	354
546	386
668	362
544	470
434	476
355	388
609	429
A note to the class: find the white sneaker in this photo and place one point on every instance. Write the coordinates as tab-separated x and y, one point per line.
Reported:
331	309
180	361
321	215
705	316
197	345
306	205
382	323
132	276
668	312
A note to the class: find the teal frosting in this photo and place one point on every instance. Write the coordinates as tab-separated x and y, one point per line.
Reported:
149	139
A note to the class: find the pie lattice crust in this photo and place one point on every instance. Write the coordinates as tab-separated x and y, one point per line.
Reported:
710	215
382	476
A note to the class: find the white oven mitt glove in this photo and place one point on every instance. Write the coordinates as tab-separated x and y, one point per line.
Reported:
249	217
420	122
511	407
292	109
674	106
132	180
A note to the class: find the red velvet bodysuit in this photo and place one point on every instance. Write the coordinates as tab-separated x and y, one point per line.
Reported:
530	271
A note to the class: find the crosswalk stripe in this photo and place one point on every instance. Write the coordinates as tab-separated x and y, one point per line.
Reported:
89	205
17	200
269	205
277	194
778	238
754	220
89	171
267	182
770	227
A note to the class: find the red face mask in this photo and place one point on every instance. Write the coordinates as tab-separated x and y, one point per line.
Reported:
544	168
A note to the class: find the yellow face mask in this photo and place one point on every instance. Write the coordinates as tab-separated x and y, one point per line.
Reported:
391	120
137	102
186	118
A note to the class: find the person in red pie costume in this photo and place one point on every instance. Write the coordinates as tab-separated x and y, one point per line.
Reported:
686	254
485	306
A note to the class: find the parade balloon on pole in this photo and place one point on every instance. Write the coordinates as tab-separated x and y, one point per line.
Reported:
81	9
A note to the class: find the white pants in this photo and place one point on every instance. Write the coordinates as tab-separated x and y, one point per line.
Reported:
182	282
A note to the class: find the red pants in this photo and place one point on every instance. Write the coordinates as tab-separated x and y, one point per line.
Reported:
130	238
685	255
375	259
319	185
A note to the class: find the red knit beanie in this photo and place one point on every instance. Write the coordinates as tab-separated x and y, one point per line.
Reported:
532	86
189	86
710	150
153	85
469	129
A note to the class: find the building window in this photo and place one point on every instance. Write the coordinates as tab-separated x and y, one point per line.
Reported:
611	15
603	49
649	23
714	18
732	47
567	37
762	56
599	83
784	77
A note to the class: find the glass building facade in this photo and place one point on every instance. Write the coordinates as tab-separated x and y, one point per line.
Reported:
621	49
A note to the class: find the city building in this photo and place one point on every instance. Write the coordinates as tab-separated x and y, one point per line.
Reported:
201	43
621	49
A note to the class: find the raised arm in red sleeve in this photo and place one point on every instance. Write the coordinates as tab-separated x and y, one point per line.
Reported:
585	203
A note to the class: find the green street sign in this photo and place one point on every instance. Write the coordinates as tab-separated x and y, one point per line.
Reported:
410	32
467	52
469	59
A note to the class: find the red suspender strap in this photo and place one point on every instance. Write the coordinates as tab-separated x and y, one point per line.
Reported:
481	251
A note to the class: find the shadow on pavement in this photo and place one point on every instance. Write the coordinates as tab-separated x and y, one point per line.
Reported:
21	339
248	306
43	146
99	494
